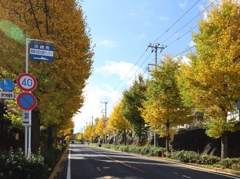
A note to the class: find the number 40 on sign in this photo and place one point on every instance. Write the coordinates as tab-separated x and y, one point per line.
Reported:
26	82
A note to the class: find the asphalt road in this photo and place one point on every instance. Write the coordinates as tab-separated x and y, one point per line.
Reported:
87	162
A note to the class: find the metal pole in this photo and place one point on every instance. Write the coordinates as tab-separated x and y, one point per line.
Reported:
92	127
105	121
155	49
26	127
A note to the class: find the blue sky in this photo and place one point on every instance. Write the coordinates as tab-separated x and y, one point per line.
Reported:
122	31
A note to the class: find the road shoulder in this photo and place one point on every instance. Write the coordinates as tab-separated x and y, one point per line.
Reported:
60	170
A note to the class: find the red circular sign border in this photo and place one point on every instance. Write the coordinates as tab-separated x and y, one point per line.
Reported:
34	99
29	75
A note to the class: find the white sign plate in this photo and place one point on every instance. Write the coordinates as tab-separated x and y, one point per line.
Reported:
26	118
7	95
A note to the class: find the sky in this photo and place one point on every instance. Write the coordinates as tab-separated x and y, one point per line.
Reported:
122	31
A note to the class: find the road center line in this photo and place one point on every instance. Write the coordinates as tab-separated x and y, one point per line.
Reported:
125	164
185	176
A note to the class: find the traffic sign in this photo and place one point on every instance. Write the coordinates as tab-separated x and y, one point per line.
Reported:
26	118
7	84
26	101
41	52
7	95
26	82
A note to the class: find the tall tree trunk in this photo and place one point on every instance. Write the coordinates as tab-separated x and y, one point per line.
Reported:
125	138
35	131
50	131
167	137
224	145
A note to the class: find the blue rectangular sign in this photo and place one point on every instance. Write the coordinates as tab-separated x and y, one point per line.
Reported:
41	52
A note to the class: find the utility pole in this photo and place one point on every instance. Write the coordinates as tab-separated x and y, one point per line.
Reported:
155	48
105	110
92	128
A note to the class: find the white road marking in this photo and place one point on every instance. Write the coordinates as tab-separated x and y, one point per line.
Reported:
69	164
175	173
185	176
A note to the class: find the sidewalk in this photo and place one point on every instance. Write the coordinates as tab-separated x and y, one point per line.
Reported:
60	170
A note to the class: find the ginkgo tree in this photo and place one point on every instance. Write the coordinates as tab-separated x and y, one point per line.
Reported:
163	108
60	84
209	81
88	132
100	128
118	122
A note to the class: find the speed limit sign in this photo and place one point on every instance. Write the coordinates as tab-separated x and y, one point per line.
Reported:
26	82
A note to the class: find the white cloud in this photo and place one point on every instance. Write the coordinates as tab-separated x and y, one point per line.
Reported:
185	60
182	4
93	106
163	18
141	36
191	44
119	68
108	43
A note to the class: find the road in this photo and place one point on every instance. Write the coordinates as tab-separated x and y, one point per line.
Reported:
87	162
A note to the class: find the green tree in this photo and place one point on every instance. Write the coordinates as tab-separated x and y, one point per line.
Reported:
209	81
163	108
131	104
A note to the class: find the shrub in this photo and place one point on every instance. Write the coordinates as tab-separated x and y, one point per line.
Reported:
186	156
17	166
208	159
228	162
144	150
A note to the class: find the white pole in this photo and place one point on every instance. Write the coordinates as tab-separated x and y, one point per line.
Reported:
27	40
26	140
26	127
29	142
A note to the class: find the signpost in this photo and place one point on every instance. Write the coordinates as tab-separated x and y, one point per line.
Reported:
41	52
7	85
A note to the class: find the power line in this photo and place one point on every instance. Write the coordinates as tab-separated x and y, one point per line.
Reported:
35	18
167	39
181	36
177	21
120	90
155	41
189	21
130	70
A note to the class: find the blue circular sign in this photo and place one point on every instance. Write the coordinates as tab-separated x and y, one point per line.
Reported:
26	101
7	85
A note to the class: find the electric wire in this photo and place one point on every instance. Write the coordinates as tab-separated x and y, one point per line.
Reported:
130	70
35	18
166	40
177	21
156	40
130	79
189	21
181	36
